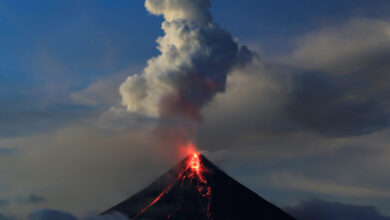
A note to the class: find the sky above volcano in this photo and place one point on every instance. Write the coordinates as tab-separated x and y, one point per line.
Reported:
303	123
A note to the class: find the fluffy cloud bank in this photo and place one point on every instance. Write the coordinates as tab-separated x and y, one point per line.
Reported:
49	214
331	85
315	209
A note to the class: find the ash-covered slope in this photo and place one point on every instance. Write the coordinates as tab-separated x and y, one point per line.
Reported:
198	190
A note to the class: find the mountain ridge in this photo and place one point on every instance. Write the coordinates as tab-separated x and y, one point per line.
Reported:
196	189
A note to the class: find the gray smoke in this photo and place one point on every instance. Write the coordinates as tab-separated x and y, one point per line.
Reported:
196	55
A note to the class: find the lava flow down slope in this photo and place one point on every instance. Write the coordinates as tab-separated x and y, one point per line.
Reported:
196	189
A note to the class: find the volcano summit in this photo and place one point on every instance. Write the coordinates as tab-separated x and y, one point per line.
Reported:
196	189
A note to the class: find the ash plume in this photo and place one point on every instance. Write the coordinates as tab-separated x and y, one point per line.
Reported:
196	55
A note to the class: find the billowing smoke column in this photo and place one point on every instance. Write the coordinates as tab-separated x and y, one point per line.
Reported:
196	57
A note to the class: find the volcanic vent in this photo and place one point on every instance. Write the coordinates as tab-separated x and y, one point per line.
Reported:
197	190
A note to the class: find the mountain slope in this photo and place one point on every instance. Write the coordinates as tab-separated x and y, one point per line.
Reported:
195	190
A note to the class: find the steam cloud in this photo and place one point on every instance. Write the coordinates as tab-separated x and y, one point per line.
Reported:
196	57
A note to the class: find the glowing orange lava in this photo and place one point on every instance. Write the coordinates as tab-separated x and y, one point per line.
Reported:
194	172
196	169
187	148
195	164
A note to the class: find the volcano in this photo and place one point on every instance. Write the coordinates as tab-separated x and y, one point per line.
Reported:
196	189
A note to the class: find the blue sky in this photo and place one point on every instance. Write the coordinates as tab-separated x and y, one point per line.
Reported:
316	110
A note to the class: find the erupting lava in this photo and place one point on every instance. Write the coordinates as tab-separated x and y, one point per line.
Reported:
196	169
192	173
195	163
196	189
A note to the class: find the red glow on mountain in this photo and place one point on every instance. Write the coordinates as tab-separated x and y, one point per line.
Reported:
186	148
166	190
194	173
196	189
196	169
195	164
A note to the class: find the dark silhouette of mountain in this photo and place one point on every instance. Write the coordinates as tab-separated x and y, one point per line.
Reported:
196	189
